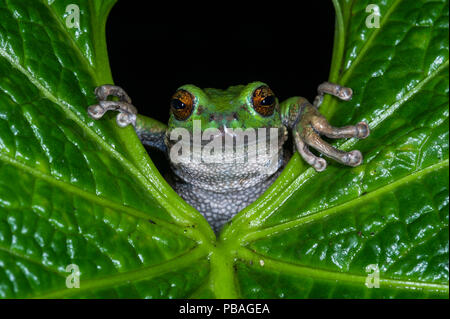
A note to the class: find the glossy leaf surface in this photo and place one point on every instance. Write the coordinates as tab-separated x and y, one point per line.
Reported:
84	192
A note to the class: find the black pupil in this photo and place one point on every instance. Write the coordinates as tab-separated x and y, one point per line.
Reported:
177	104
268	100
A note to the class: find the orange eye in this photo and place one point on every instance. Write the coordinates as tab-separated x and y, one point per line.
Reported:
264	101
182	104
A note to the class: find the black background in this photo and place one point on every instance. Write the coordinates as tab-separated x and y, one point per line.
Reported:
154	50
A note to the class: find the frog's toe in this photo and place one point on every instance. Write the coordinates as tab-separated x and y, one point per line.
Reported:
96	111
353	158
124	119
104	91
319	164
344	93
362	129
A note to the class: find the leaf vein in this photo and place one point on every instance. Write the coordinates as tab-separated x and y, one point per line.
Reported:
332	210
246	254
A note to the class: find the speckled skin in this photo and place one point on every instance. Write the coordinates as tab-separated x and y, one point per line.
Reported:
220	190
219	207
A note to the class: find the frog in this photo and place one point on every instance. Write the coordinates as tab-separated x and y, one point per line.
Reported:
221	189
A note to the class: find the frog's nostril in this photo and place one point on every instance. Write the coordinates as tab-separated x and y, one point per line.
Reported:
231	117
216	117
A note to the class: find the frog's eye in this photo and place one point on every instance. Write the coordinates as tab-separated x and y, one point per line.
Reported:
264	101
182	104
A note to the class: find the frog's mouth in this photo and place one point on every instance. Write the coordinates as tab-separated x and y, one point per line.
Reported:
245	162
226	139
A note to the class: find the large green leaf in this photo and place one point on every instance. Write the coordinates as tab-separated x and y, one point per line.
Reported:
84	192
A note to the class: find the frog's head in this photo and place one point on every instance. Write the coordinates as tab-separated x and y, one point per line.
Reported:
251	108
243	106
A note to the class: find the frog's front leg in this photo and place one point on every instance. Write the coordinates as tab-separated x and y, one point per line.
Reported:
151	132
307	124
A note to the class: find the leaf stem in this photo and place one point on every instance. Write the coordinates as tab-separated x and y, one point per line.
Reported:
222	277
339	43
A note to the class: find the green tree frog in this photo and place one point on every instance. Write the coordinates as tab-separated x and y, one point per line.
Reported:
220	189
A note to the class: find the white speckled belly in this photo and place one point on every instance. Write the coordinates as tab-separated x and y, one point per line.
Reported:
220	190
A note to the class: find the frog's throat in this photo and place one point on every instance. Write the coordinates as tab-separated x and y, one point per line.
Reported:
236	168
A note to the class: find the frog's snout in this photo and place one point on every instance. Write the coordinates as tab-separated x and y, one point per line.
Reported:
228	117
224	120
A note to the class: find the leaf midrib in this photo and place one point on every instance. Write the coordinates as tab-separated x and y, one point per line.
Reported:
313	216
369	41
177	215
245	254
134	276
73	43
181	216
102	201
